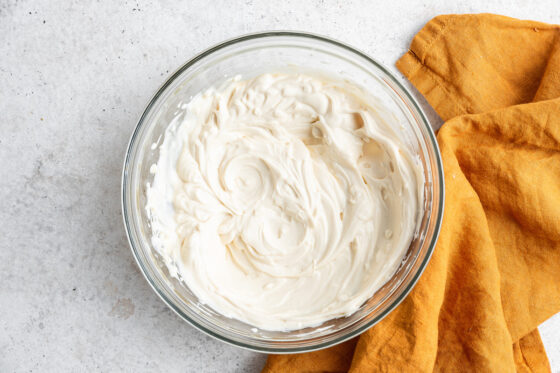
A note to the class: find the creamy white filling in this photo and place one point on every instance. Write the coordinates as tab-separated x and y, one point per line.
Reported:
284	200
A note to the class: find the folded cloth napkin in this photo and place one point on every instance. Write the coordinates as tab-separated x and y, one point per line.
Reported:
495	273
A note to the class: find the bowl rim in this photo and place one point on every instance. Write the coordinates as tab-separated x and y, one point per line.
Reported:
304	35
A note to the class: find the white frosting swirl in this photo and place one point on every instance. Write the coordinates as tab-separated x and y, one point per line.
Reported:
285	200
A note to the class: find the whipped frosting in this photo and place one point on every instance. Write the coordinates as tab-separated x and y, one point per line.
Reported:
284	200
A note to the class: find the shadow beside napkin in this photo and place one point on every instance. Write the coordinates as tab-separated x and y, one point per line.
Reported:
495	273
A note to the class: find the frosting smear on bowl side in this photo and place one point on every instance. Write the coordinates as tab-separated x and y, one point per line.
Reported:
284	200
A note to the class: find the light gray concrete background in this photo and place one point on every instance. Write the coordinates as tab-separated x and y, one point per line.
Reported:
74	78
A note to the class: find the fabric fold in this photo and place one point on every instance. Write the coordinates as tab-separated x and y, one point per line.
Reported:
495	273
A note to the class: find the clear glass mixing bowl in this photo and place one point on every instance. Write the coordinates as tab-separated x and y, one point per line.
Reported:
248	56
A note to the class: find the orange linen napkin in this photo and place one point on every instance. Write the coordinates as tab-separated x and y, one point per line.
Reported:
495	273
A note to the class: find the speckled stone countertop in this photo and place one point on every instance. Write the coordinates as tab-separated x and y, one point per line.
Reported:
75	76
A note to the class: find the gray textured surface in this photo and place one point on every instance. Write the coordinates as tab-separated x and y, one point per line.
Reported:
74	78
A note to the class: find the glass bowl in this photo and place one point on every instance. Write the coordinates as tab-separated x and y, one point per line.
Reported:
249	56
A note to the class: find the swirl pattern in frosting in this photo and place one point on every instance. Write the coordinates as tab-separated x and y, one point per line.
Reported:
284	200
